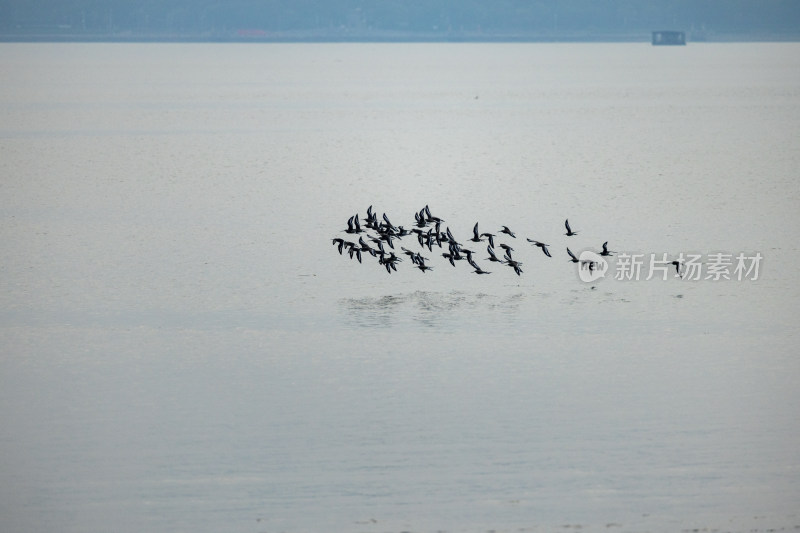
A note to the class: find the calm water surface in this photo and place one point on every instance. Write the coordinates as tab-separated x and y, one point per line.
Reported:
182	348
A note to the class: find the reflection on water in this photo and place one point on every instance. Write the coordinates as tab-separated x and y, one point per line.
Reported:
427	308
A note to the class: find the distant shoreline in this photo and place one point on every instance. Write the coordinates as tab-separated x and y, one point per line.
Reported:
258	36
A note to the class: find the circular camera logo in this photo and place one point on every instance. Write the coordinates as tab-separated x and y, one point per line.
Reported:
591	266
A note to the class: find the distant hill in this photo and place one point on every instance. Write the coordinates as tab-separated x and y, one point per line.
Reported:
396	20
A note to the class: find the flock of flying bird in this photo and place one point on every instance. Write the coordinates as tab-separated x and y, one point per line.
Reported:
428	232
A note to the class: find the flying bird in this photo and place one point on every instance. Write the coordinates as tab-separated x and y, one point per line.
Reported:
353	225
372	220
605	251
492	256
476	237
541	245
420	218
678	266
430	217
489	236
516	265
507	231
572	256
470	260
569	232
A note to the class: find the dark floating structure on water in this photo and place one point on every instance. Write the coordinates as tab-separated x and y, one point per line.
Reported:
669	38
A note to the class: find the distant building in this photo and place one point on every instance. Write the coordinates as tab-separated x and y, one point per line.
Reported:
667	37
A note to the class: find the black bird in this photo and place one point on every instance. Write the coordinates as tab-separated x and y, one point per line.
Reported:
516	265
437	232
390	263
492	256
475	235
489	236
389	226
430	217
338	241
412	255
377	241
372	220
678	265
452	240
423	267
429	239
356	251
569	232
478	270
387	237
507	248
512	263
353	226
573	258
455	250
471	261
605	251
541	245
419	237
420	218
366	247
507	231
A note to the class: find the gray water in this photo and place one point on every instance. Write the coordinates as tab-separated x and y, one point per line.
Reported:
183	349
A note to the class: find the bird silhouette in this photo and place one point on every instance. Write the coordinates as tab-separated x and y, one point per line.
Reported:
507	231
569	232
678	268
541	245
353	225
420	218
339	242
489	236
372	220
492	256
572	256
471	261
516	265
475	235
429	217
